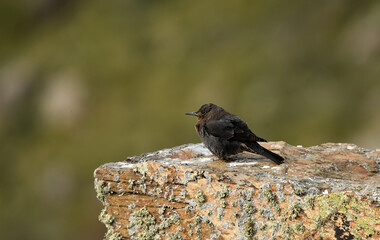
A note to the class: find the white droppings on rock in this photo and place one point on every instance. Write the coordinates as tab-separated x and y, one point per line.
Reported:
350	147
277	146
149	155
235	164
197	161
277	168
119	165
198	148
190	161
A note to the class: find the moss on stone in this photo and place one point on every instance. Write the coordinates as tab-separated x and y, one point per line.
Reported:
145	224
286	229
102	189
106	218
111	235
249	208
269	196
263	226
174	236
197	219
141	168
298	228
223	203
309	201
223	193
142	219
277	209
200	197
351	207
249	228
187	210
168	222
295	209
299	191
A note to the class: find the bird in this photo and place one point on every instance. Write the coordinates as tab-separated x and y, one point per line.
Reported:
224	134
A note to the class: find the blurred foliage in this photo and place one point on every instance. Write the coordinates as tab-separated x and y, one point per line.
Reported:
83	83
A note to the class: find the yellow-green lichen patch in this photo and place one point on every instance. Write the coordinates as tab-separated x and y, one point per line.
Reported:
200	197
249	208
223	203
309	201
263	226
174	236
197	224
142	218
269	196
141	168
286	229
187	209
355	210
102	189
106	218
111	235
298	228
295	209
223	193
250	228
197	219
145	225
299	191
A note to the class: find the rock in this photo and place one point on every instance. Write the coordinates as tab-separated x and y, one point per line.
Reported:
331	191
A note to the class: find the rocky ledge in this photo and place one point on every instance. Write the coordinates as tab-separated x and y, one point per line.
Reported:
330	191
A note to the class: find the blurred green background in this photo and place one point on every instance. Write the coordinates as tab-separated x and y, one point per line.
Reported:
83	83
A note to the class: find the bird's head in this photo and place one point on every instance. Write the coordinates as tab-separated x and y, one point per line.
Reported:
207	111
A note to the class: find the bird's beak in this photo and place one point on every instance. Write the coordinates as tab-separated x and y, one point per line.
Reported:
192	113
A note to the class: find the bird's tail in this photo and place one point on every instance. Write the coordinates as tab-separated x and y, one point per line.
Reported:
255	147
259	139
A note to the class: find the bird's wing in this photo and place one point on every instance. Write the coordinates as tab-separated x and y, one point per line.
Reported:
234	129
242	132
220	128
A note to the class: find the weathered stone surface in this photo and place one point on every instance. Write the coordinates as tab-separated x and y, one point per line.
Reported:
331	191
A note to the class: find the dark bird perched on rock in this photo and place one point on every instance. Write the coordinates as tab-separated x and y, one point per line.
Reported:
225	134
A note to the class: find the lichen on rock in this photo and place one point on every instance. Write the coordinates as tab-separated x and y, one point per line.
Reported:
327	191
